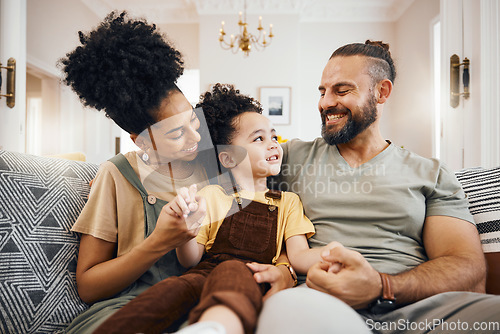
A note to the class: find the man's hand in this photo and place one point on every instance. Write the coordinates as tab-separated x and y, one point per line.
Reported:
356	283
278	277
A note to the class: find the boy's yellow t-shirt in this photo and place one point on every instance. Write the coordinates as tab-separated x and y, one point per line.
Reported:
291	218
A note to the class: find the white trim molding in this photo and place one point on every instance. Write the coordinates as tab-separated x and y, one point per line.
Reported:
13	44
189	11
41	68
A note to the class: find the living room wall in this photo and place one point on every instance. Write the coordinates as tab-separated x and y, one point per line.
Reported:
295	59
276	66
185	37
52	31
412	110
318	41
299	53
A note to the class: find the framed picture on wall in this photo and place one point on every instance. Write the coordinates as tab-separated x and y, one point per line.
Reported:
276	104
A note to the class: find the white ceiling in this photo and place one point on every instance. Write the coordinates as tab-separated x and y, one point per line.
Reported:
189	11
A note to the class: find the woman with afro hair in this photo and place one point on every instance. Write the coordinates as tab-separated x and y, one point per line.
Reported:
125	68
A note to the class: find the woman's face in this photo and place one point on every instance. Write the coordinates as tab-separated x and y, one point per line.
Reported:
175	136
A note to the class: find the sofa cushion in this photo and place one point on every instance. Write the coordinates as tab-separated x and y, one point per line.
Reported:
40	199
482	187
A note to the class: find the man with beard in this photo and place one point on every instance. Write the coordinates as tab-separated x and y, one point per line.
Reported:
409	252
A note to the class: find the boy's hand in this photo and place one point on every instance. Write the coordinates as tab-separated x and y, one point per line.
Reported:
333	266
189	206
183	203
268	273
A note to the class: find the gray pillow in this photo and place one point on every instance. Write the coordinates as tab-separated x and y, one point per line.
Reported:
40	199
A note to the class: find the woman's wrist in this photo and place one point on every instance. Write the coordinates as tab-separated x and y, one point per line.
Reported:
155	247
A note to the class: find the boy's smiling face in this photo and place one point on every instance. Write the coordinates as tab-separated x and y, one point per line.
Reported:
255	133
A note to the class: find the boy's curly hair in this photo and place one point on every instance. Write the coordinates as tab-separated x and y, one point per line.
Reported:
124	67
221	108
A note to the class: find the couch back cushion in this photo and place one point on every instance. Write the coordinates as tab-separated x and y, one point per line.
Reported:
40	199
482	187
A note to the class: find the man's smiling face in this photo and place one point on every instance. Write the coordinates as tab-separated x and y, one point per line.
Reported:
347	104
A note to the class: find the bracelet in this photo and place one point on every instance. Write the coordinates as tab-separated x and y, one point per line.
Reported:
386	302
387	292
290	269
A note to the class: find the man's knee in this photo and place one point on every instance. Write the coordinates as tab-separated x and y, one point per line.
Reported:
305	310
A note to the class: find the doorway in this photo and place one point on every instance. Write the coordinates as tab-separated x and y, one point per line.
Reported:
33	114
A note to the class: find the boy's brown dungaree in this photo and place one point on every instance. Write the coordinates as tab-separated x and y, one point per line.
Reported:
248	233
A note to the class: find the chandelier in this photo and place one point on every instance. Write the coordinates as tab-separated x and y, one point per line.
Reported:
245	40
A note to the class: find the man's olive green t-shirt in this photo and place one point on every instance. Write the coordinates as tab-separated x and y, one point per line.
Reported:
378	208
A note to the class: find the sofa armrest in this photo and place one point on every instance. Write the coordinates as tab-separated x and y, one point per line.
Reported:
482	187
493	274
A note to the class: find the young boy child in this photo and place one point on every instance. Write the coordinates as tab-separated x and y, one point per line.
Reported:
245	222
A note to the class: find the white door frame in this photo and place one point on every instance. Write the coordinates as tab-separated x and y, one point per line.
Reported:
490	83
13	44
471	132
452	141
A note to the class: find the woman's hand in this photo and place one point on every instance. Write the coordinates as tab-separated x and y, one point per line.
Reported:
179	220
100	274
278	277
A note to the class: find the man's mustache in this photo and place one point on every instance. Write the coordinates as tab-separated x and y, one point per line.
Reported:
339	110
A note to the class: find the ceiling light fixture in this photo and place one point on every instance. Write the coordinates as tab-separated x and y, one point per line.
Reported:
245	40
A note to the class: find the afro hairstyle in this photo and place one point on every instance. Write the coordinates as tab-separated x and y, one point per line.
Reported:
221	107
125	68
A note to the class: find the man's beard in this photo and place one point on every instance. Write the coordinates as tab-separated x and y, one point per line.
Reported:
353	127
